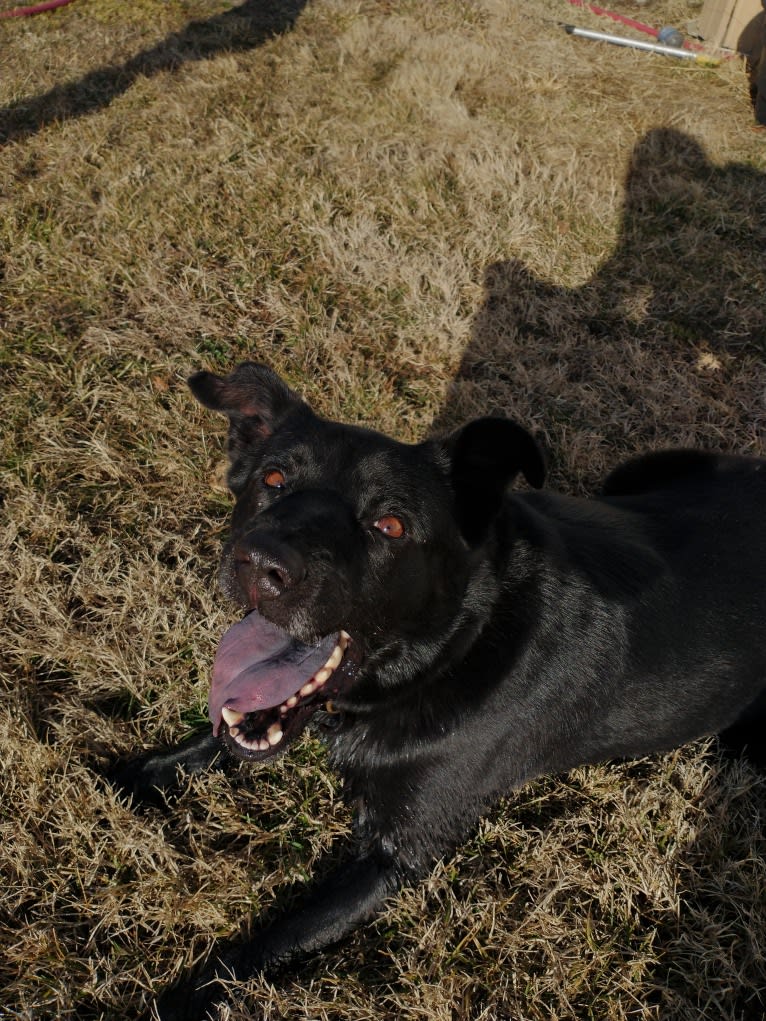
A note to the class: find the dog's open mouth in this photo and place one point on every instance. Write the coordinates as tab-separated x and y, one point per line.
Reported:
266	684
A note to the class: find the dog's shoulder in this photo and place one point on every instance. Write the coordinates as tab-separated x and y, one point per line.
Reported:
664	468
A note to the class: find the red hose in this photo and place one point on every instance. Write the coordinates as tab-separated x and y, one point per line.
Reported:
595	9
638	25
23	12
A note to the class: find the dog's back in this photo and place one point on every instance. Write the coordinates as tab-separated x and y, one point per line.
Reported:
669	566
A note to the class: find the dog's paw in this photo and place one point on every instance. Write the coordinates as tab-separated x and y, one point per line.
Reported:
177	1006
156	777
201	996
137	782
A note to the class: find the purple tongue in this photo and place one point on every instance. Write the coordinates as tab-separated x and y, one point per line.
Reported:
258	666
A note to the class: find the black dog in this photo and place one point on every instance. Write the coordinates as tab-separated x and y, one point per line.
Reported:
452	640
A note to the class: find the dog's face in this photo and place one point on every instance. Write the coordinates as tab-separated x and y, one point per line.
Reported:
351	554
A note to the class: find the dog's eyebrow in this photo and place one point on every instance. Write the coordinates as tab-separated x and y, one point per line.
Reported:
386	472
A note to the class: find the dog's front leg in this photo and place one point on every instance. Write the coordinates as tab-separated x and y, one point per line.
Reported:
148	777
350	897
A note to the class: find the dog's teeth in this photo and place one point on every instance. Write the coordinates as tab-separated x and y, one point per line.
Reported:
233	731
283	709
335	658
344	639
253	744
321	675
308	689
292	701
274	734
231	716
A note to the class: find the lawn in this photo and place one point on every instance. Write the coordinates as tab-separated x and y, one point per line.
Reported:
417	211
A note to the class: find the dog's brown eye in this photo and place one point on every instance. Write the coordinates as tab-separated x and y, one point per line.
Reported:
391	526
274	479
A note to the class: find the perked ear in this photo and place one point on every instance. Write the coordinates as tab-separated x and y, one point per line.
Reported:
485	456
253	396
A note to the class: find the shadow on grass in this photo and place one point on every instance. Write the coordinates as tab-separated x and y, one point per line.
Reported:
681	296
666	340
245	27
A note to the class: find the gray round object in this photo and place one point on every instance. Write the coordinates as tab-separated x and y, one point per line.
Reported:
670	36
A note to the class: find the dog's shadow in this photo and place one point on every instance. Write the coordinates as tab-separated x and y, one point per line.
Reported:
244	27
650	351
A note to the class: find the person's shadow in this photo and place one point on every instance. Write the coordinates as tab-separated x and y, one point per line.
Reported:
244	27
663	345
652	347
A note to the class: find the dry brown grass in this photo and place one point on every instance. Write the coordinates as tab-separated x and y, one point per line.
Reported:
416	211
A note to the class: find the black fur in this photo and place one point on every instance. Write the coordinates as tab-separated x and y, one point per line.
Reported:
500	637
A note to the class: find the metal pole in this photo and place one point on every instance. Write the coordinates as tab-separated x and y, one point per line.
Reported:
638	44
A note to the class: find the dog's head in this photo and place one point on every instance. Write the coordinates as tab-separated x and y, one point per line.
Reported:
351	554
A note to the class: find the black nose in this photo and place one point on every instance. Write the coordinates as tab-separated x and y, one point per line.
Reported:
267	567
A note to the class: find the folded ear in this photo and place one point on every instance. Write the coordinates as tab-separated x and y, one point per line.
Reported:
253	397
485	456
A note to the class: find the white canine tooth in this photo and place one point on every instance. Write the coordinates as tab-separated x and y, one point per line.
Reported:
345	638
231	716
274	734
321	675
